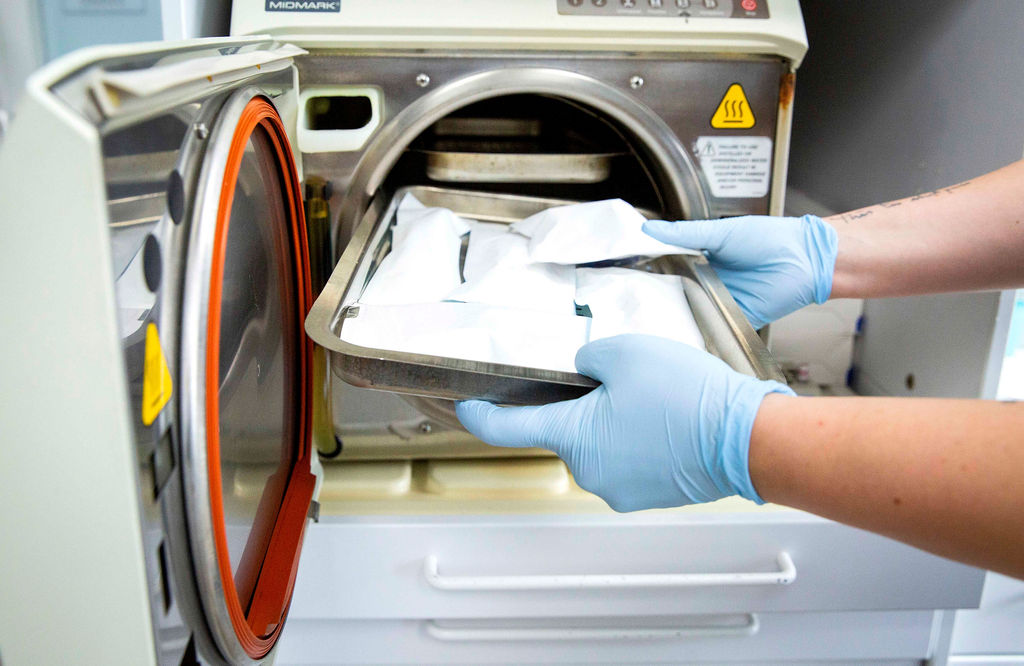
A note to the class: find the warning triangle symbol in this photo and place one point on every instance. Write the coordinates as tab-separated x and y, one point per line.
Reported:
734	110
156	378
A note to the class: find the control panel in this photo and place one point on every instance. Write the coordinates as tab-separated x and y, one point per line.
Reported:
756	9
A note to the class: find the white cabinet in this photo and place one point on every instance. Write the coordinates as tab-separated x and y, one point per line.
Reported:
685	586
885	637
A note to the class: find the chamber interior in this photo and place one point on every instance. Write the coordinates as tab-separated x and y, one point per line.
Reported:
535	145
405	455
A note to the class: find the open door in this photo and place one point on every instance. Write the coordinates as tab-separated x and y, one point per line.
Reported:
187	212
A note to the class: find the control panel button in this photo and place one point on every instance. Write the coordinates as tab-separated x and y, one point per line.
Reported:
666	9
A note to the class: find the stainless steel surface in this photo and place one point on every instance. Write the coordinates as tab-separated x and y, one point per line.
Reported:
490	127
196	293
132	218
458	167
662	120
672	164
153	167
726	332
374	425
137	210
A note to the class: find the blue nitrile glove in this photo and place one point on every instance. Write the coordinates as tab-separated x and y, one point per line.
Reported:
771	265
669	425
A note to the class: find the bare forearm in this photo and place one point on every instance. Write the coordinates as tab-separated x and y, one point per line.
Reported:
942	475
963	237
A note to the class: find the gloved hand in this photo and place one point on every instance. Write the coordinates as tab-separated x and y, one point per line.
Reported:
771	265
669	425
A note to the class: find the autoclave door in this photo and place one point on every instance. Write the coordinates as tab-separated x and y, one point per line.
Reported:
201	243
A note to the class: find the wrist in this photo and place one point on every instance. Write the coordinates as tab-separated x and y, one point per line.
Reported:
748	402
769	426
853	267
822	242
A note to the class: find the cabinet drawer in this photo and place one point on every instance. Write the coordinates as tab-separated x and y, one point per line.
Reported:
671	563
880	637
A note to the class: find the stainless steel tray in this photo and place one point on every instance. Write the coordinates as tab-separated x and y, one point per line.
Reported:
491	167
726	332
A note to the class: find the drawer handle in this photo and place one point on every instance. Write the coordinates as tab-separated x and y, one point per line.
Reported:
784	576
464	634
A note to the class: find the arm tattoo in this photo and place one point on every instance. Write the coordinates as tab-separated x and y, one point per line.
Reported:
856	215
865	212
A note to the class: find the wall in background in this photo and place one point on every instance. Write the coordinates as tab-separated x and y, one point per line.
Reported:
895	99
33	32
20	51
898	98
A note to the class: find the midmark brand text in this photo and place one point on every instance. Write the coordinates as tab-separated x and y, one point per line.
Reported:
303	5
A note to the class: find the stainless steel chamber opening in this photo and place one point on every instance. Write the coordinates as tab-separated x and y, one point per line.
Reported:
538	131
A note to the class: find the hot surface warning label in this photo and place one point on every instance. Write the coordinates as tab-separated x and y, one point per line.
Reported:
735	166
734	110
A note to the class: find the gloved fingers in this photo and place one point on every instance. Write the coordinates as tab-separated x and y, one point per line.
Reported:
599	359
751	303
621	358
709	235
513	426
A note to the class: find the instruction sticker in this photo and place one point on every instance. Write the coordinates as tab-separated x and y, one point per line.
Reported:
156	378
734	110
736	167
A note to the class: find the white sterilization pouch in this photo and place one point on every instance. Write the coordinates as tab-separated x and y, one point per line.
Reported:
589	232
622	300
471	331
423	265
498	271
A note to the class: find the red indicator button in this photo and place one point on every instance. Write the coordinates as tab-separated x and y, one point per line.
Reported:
749	5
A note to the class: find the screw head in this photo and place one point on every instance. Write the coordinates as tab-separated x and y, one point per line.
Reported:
422	80
636	81
202	131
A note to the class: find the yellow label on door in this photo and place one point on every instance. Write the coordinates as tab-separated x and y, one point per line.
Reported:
734	110
156	378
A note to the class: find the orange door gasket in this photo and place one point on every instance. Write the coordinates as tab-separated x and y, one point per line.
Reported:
258	626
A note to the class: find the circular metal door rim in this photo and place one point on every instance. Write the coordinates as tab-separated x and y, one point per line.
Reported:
224	615
683	191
